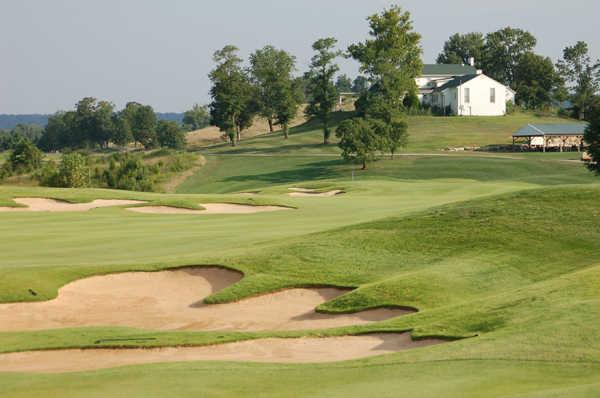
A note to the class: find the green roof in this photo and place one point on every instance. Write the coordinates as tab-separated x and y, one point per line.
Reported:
448	70
457	81
540	130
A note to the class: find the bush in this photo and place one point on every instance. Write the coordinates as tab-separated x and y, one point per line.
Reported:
511	108
130	173
24	158
72	172
47	175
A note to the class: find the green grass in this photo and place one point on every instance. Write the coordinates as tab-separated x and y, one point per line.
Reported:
426	134
502	250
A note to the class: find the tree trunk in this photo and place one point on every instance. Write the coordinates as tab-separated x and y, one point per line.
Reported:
285	131
270	125
238	134
326	133
364	165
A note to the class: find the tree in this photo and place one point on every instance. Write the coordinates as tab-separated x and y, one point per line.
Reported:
359	140
536	81
321	90
592	136
271	72
122	134
197	117
343	84
390	59
170	135
142	121
360	84
25	157
288	100
582	76
394	135
503	51
60	132
460	48
103	124
73	171
232	94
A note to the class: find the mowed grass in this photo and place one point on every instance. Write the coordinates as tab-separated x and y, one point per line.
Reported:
472	268
501	250
426	134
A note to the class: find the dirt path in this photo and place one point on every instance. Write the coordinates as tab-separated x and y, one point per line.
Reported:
52	205
173	300
306	350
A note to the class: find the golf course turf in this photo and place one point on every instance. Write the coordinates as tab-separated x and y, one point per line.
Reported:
498	254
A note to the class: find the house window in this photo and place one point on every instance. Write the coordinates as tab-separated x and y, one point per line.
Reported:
467	95
493	95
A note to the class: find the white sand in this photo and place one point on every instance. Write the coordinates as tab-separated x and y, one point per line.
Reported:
52	205
305	350
173	300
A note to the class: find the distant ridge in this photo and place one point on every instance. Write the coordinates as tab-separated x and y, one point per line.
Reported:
8	122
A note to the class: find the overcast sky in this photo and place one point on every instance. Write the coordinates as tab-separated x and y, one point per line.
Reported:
54	52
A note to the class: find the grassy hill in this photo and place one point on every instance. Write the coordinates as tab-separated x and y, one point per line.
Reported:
500	253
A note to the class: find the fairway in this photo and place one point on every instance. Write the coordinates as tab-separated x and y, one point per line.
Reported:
435	273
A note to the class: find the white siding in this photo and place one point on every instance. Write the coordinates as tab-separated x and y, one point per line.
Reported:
480	102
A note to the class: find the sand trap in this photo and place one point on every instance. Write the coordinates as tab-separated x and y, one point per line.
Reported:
306	350
52	205
173	300
210	208
305	192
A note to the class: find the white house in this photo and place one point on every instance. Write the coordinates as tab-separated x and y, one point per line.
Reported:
463	90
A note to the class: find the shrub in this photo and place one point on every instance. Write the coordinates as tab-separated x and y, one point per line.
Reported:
73	171
24	158
129	172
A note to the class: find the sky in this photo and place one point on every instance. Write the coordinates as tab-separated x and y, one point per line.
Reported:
159	52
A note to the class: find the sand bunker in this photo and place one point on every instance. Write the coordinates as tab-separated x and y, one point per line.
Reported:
173	300
52	205
305	192
210	208
306	350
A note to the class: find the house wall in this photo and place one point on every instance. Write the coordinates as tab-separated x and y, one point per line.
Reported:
480	104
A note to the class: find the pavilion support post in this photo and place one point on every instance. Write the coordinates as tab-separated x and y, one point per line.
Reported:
544	143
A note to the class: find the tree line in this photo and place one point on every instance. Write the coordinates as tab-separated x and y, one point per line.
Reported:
508	56
97	124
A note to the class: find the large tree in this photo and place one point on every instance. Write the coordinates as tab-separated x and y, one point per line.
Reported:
460	48
271	71
537	83
592	135
581	74
290	95
503	51
142	121
321	90
232	94
390	59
